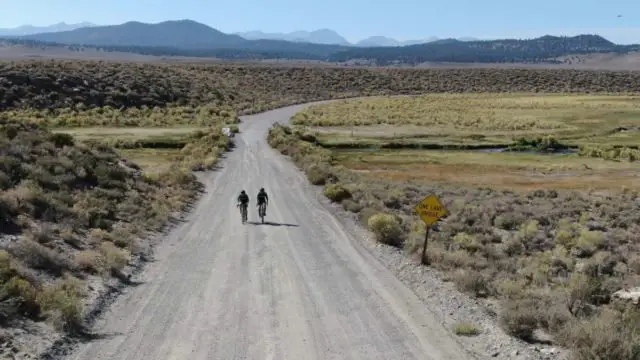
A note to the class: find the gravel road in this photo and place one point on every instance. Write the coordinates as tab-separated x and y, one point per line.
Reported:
299	287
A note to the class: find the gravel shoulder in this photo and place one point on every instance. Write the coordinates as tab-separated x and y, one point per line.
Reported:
309	284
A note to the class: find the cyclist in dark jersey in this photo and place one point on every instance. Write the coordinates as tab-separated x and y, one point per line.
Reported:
263	198
243	202
243	198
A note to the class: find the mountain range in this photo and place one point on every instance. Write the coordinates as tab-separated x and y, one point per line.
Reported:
190	38
30	29
328	36
320	36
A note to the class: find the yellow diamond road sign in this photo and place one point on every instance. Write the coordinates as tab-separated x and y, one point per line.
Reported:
431	209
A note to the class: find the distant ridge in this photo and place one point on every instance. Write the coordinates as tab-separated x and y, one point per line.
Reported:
321	36
190	38
326	36
30	29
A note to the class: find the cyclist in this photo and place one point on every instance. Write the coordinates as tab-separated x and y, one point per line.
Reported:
263	198
243	198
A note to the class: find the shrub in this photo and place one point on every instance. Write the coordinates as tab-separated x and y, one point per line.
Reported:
472	282
91	261
26	291
318	174
122	237
467	242
63	301
115	258
511	289
508	221
351	205
414	240
40	257
588	243
519	318
336	192
62	139
365	214
609	335
610	153
386	229
466	329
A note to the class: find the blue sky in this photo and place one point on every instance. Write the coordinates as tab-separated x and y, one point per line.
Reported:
353	19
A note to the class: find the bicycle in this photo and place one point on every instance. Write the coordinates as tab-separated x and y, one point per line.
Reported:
262	209
243	212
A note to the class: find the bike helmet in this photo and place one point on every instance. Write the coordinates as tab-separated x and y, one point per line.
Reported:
261	189
242	192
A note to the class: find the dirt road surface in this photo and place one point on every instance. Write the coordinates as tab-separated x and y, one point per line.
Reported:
299	287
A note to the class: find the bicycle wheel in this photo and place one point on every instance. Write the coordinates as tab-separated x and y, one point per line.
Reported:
261	211
243	213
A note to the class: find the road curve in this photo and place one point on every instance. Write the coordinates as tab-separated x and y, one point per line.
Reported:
298	288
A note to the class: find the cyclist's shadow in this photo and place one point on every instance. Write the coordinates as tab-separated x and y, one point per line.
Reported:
271	223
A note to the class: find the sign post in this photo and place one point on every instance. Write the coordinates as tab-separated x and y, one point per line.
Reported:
430	210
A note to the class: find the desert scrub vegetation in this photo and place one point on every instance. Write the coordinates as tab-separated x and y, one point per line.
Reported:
485	118
203	149
386	228
70	211
336	192
467	329
195	148
622	153
552	257
174	138
79	85
106	116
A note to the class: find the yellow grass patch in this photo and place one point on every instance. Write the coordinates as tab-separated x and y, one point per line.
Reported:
483	117
504	170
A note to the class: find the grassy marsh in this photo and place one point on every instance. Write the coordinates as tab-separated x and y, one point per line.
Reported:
478	119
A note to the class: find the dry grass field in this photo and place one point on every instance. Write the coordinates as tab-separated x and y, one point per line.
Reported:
76	210
486	118
154	149
604	131
548	235
506	170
